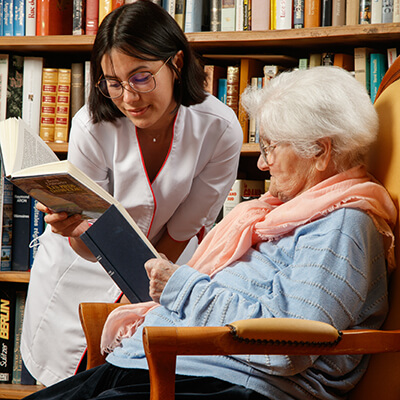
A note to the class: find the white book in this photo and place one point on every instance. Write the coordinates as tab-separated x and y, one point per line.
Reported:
228	15
239	15
171	8
30	17
260	15
396	10
31	92
87	80
392	55
3	85
284	14
376	11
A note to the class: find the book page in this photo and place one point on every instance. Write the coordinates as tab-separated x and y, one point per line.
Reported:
31	149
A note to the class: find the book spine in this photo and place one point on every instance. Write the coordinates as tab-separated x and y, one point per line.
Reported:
214	73
215	16
228	16
8	19
7	328
252	120
117	3
239	15
193	15
222	89
232	88
48	107
78	17
338	12
312	13
77	88
260	15
14	88
298	14
36	229
365	12
246	15
30	18
92	16
19	18
396	11
352	12
105	7
1	19
180	13
7	224
54	17
62	106
31	92
378	69
19	315
362	66
21	231
4	60
284	10
387	11
87	80
326	13
392	55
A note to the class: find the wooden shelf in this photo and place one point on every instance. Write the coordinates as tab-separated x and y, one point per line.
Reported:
14	276
11	392
250	149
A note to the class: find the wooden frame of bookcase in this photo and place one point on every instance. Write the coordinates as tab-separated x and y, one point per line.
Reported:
293	42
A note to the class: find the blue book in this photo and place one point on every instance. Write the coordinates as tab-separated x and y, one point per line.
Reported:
19	18
222	88
8	19
1	18
193	15
378	70
37	228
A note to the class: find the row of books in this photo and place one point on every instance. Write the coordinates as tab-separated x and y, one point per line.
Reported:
227	82
21	224
46	98
12	308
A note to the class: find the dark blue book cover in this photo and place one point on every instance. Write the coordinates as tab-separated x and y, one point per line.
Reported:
122	251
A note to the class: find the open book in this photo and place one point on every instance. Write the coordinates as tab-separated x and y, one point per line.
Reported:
30	164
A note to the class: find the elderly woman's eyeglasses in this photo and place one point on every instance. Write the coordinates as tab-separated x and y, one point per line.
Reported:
266	151
141	82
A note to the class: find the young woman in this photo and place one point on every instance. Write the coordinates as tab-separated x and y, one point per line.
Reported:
162	146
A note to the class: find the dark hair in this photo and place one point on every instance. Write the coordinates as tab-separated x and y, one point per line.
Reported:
144	30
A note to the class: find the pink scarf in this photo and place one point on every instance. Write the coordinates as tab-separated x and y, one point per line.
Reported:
267	219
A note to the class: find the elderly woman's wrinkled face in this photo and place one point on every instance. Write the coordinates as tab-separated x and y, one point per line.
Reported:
291	174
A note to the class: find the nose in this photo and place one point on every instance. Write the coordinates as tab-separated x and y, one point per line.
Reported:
261	164
128	93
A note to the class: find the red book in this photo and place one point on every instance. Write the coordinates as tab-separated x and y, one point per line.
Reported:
92	16
54	17
117	3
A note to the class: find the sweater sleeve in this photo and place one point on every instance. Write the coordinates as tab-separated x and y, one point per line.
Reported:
327	274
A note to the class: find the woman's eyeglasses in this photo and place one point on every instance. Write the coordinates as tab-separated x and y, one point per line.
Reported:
141	82
266	151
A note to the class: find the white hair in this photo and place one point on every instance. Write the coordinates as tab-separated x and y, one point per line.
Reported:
302	106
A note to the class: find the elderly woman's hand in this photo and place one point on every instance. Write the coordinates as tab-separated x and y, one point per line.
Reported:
159	272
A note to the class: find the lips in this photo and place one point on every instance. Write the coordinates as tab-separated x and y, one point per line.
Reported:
137	112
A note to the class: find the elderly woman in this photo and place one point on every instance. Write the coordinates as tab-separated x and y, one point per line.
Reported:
318	246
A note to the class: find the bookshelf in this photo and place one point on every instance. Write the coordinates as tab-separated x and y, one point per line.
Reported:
292	42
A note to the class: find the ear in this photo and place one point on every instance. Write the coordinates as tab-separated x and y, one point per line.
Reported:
178	60
323	158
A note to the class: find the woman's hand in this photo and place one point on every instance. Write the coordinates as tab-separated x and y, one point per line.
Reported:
72	226
159	272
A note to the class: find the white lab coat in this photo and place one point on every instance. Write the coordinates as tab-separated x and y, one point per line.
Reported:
184	198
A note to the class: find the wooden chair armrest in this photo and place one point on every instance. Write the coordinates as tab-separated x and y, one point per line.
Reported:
93	316
163	344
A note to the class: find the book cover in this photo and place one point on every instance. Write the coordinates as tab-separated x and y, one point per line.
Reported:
32	91
298	14
232	87
4	60
338	12
14	86
273	15
387	11
376	11
92	17
193	15
7	328
315	60
260	15
378	69
19	18
87	80
391	55
19	316
312	13
105	7
228	15
63	101
122	251
77	87
48	104
247	15
36	229
30	18
215	15
214	73
54	17
252	120
396	11
362	66
78	17
20	230
8	19
326	13
239	15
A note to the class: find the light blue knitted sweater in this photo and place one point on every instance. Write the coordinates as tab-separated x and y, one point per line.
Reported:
331	270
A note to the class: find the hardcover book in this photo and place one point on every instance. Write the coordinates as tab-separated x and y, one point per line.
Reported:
122	249
54	17
14	86
30	18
